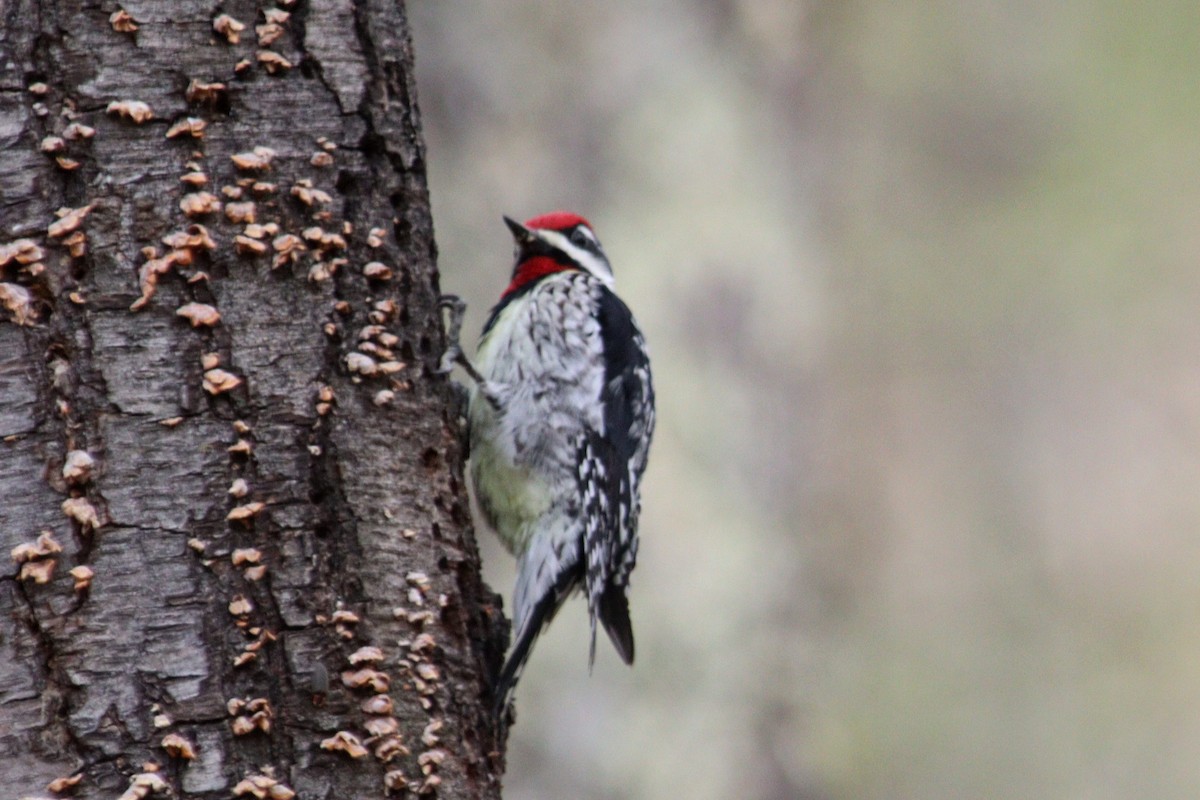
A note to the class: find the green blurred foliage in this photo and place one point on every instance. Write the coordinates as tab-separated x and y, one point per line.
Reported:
920	281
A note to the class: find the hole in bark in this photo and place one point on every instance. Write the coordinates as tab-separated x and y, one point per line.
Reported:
373	145
426	345
346	182
431	458
436	531
406	352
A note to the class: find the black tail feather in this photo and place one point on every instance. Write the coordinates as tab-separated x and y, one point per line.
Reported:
614	613
541	616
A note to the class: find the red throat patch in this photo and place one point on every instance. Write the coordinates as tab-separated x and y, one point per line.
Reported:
556	221
531	269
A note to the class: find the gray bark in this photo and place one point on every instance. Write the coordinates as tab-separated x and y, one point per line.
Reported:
362	512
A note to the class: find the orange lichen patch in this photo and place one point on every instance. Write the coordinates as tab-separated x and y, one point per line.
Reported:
288	249
43	547
241	447
376	237
263	787
257	159
83	577
321	271
39	89
276	16
52	144
188	126
77	130
38	571
361	364
76	244
245	512
274	63
77	468
218	381
344	617
65	163
153	269
255	573
178	747
345	742
195	179
429	736
308	195
197	204
389	748
382	311
268	33
248	246
321	159
69	219
194	237
245	555
240	606
377	271
382	726
366	655
23	251
82	511
199	91
240	212
395	781
248	724
122	22
18	300
135	111
201	315
228	28
60	785
256	231
323	239
377	704
239	488
145	784
377	681
431	759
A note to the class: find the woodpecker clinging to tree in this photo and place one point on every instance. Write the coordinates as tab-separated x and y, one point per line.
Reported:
560	419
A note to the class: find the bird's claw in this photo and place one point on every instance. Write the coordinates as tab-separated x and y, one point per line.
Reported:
453	353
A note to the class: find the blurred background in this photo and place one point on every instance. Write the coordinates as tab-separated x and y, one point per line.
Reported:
922	518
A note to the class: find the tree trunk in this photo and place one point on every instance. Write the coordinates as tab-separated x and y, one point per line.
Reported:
217	397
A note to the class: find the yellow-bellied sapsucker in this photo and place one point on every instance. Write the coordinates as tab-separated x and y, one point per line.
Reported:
561	415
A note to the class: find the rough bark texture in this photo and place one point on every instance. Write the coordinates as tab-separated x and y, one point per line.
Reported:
362	513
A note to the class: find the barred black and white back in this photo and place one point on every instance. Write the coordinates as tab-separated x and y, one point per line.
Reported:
560	433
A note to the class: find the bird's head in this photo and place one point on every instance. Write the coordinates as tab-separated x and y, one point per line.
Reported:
556	242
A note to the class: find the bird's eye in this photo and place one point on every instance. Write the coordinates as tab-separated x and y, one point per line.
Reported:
578	237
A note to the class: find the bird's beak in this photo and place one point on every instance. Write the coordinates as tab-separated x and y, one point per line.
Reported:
520	233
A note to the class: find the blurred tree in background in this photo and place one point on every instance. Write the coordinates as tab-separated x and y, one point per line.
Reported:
920	280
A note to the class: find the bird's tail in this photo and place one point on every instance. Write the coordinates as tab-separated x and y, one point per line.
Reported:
531	626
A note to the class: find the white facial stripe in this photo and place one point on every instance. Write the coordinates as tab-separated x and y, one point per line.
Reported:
593	263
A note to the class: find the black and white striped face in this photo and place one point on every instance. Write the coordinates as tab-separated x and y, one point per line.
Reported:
562	239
